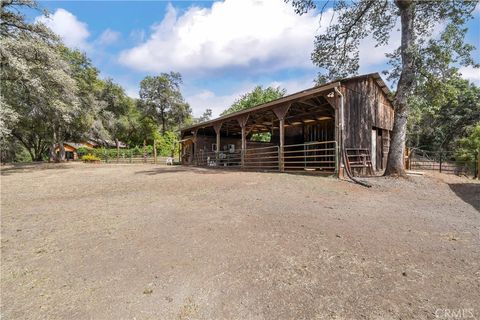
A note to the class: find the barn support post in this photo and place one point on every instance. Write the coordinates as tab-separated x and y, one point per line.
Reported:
217	127
180	152
194	146
281	112
242	121
337	139
335	98
339	102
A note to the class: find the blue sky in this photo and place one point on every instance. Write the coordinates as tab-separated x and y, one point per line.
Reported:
222	49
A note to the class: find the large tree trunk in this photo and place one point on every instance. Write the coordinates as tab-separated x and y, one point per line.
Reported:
62	151
117	145
60	156
395	162
163	121
53	154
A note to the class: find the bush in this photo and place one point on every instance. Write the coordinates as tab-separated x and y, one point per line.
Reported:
83	151
469	147
90	158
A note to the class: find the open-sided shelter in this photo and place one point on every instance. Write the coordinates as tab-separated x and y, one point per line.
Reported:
322	129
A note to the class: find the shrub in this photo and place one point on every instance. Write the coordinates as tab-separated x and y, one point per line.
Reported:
83	151
90	158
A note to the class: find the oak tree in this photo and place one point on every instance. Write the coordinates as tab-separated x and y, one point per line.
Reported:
337	49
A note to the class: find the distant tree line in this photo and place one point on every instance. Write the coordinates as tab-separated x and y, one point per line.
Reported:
51	94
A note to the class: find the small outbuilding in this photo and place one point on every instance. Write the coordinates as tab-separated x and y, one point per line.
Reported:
345	123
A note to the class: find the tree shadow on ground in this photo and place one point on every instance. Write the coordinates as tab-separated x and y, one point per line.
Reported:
468	192
30	167
169	169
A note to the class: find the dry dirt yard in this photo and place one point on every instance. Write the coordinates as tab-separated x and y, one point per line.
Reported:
86	241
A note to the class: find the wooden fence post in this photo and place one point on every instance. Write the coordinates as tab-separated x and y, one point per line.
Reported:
407	159
154	151
144	151
440	162
118	150
478	166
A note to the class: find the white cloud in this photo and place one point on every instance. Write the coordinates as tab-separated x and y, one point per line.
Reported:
206	99
371	56
108	37
239	34
73	32
137	35
294	85
470	73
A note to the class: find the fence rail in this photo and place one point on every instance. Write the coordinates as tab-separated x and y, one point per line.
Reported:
218	159
135	159
441	161
262	158
312	156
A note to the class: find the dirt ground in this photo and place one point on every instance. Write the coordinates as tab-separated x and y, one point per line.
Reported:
82	241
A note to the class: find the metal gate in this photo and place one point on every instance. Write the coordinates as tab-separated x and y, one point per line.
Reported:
319	157
441	161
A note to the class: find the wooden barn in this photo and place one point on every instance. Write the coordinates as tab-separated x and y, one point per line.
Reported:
341	125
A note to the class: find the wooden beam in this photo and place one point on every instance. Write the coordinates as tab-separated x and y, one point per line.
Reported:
194	145
281	112
217	127
305	94
282	142
242	121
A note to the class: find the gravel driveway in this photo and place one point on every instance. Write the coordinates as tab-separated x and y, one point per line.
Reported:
86	241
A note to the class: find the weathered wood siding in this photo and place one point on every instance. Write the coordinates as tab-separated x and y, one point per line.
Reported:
366	106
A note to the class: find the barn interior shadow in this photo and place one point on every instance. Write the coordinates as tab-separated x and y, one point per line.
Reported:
468	192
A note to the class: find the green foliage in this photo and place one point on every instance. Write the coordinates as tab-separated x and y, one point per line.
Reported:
261	137
469	147
83	151
336	50
51	94
254	98
167	144
207	115
162	101
443	111
39	93
90	158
